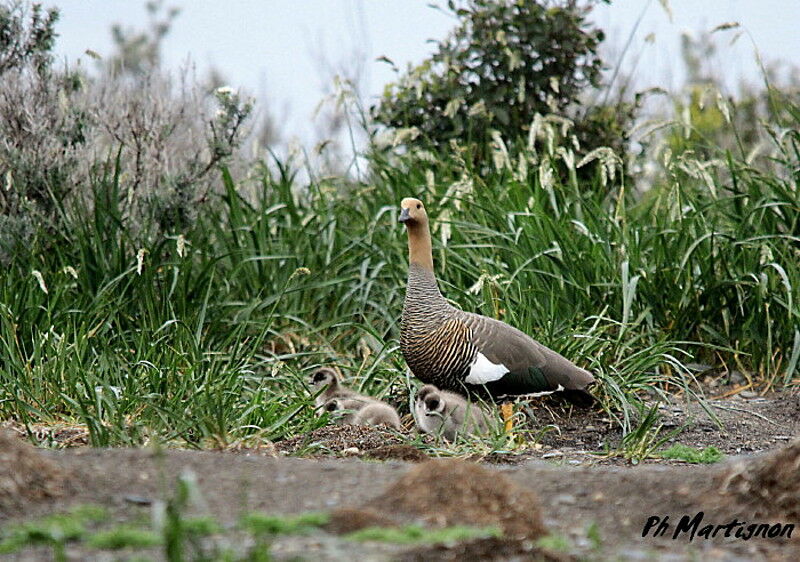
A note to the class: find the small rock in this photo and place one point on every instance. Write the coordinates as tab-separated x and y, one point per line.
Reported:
564	498
350	451
138	500
552	454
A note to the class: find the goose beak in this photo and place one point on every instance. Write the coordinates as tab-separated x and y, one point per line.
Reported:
404	216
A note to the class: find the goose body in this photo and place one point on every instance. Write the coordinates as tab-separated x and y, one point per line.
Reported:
448	414
468	353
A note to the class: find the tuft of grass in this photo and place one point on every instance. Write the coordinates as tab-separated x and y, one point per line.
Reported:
558	543
708	455
54	530
594	536
647	437
264	524
201	526
124	536
413	534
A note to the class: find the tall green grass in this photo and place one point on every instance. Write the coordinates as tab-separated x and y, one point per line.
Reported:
206	336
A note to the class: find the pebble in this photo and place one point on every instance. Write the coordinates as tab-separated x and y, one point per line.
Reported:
138	500
564	498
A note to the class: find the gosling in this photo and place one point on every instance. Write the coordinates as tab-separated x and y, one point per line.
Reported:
348	412
448	414
325	384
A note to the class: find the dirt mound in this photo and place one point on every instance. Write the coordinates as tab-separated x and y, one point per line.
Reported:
57	435
442	493
339	439
25	475
767	486
350	519
492	549
405	453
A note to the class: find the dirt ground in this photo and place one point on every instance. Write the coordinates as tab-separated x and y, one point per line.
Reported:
598	503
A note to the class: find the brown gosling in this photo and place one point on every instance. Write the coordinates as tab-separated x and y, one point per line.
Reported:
372	413
325	384
448	414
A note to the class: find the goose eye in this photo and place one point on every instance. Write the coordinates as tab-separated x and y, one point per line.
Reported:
419	205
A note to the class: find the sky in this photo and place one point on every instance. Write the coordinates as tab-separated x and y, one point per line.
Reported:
287	52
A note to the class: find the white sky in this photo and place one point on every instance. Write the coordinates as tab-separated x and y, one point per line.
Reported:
269	47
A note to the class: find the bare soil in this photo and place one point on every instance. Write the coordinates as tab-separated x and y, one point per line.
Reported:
26	476
566	483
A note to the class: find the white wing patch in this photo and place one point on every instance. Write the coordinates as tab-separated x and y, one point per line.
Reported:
483	370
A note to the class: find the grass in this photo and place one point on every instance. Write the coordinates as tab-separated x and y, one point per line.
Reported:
123	536
414	534
646	438
53	530
263	524
172	528
708	455
206	335
255	529
178	535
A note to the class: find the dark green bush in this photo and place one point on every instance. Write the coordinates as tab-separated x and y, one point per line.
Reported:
504	63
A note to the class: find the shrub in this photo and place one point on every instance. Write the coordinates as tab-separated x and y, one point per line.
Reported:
21	42
158	137
503	64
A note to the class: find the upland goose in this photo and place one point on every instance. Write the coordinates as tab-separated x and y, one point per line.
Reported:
373	412
448	414
468	353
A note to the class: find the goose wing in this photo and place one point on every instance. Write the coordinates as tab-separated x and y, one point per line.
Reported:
530	366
